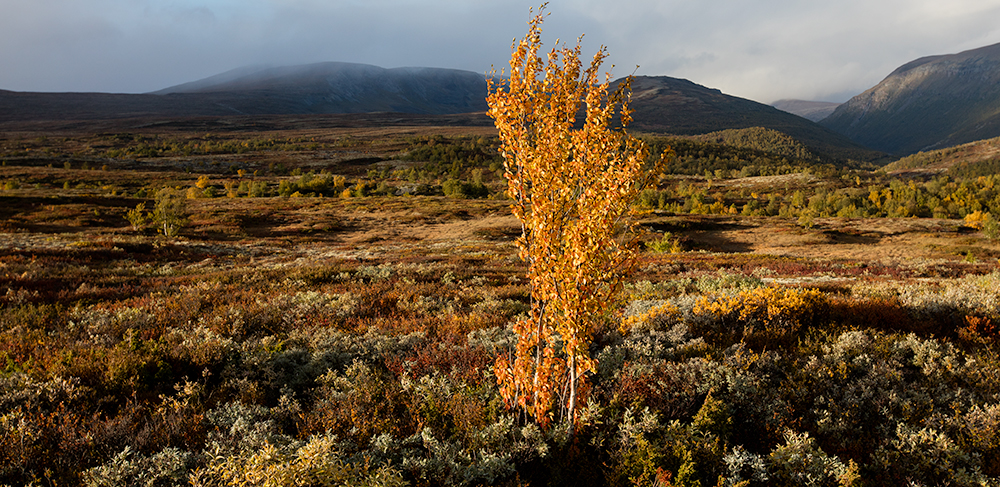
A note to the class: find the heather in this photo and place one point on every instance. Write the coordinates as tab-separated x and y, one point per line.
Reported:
209	369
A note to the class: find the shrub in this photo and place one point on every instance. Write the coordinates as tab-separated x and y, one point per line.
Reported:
979	328
257	189
800	462
171	211
727	281
991	227
459	189
672	390
978	430
976	219
927	454
885	313
638	458
667	243
360	392
137	217
762	317
316	462
169	467
659	316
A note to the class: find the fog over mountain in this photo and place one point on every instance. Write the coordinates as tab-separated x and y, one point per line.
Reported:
342	88
763	50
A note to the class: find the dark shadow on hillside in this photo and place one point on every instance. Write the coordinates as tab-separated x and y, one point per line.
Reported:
853	238
711	242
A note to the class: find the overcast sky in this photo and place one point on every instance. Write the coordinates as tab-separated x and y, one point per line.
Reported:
758	49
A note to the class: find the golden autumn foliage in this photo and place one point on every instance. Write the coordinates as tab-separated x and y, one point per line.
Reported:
976	219
572	187
659	313
203	182
763	315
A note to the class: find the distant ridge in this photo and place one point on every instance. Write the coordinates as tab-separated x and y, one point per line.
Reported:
929	103
810	110
17	106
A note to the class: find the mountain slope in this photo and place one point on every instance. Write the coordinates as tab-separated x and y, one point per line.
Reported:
972	156
343	88
932	102
678	106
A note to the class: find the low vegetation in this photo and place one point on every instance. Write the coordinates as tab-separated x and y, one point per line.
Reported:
333	315
130	361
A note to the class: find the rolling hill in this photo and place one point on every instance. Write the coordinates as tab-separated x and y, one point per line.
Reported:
981	157
310	89
929	103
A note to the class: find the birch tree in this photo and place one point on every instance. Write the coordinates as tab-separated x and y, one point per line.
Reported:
572	185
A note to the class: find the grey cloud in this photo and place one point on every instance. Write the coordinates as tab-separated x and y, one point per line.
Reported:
762	50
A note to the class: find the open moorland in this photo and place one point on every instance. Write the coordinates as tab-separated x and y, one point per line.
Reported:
320	300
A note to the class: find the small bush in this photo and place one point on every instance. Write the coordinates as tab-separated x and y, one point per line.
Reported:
170	214
169	467
137	217
762	317
667	243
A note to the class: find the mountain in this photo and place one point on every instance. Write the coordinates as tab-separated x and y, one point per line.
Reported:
930	103
678	106
810	110
342	88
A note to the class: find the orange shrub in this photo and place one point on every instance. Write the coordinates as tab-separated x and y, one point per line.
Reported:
978	328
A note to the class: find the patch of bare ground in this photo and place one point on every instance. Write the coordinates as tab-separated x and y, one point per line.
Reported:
408	226
888	240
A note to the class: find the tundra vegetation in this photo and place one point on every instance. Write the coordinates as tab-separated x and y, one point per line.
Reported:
328	314
324	311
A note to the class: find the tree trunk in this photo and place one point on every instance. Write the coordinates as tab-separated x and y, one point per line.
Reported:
572	393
